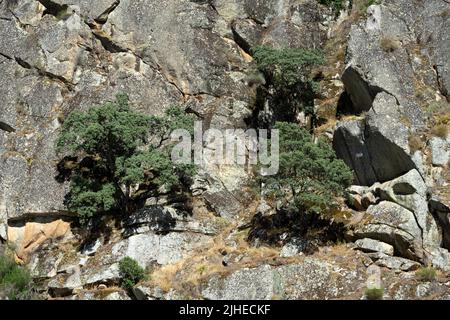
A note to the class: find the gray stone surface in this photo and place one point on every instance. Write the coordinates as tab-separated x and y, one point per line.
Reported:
377	146
310	279
245	284
397	263
440	151
294	247
370	245
395	225
65	284
149	248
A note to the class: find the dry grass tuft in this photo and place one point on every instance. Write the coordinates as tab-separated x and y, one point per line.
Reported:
389	44
415	143
188	274
440	131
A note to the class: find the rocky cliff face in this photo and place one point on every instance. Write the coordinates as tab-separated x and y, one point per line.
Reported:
381	101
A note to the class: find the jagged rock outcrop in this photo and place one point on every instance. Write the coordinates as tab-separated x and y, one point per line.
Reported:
401	217
164	220
376	147
395	225
441	212
57	56
394	50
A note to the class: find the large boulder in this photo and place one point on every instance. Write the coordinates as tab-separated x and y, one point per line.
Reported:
410	191
376	147
393	224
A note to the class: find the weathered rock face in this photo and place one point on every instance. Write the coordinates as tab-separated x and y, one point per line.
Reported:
440	151
377	146
311	279
28	236
380	51
164	220
57	56
396	226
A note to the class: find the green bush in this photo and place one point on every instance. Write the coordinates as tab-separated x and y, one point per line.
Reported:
115	149
15	281
310	175
130	272
288	78
374	293
335	4
426	274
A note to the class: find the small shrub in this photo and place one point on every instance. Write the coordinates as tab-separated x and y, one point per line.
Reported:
335	4
438	107
374	293
426	274
130	272
415	144
15	281
389	44
440	131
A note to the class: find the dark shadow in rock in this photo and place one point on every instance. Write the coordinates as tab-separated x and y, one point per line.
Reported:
65	168
344	106
282	227
153	218
99	227
441	214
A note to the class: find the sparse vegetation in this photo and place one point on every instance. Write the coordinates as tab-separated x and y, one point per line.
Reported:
440	131
130	272
438	113
117	157
360	6
426	274
15	281
415	143
374	293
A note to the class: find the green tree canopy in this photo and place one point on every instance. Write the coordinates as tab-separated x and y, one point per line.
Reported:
310	175
288	75
118	151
